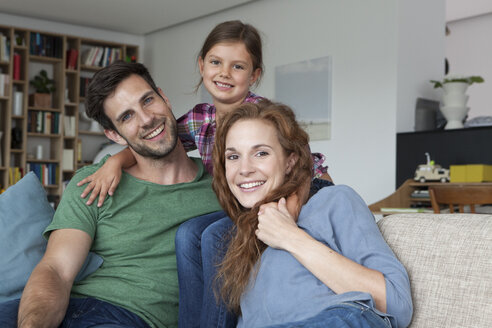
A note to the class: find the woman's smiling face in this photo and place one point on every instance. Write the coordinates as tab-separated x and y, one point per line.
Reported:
255	162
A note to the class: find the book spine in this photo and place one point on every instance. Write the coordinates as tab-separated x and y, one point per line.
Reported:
2	85
39	122
17	65
56	123
3	48
47	122
18	103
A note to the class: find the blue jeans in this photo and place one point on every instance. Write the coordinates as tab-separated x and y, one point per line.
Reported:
200	246
344	315
81	313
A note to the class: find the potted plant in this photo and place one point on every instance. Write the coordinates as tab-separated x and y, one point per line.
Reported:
44	87
454	99
455	81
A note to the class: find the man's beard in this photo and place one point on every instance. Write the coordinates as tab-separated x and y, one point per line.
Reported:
143	150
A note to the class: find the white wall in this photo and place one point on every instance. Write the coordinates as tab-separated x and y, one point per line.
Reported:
421	30
381	59
75	30
469	52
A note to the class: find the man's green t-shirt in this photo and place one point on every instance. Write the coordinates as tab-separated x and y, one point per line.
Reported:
134	233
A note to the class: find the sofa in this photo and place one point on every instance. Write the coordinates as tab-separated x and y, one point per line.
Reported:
448	258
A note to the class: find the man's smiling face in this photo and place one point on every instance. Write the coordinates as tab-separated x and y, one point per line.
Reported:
142	118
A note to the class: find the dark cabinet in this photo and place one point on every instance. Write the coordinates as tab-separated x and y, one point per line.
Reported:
446	147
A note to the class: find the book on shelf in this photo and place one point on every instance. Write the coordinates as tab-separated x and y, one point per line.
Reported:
47	173
55	127
67	159
69	125
79	150
47	124
17	66
72	55
46	45
4	48
100	56
18	103
84	83
90	55
39	122
106	56
4	84
420	193
15	174
86	55
43	122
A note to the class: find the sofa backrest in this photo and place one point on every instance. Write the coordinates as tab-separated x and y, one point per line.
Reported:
448	258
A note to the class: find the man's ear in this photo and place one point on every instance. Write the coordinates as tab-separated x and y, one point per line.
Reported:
291	161
166	99
115	136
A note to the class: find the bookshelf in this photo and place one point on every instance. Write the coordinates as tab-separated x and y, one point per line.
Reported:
55	140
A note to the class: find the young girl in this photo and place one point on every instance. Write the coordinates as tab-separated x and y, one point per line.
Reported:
230	62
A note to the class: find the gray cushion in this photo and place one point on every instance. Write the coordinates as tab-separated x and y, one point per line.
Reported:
24	213
449	261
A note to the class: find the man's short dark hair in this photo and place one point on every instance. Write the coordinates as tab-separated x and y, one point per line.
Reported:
105	82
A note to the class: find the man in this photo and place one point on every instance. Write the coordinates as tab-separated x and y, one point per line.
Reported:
134	230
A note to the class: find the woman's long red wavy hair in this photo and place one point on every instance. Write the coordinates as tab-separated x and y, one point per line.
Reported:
245	248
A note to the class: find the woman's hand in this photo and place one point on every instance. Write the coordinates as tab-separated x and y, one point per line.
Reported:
102	182
276	224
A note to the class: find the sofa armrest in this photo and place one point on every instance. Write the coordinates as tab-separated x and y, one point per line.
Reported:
449	262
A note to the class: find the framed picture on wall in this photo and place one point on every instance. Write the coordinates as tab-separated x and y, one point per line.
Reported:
306	86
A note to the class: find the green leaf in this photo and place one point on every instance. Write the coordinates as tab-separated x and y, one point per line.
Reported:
470	80
42	83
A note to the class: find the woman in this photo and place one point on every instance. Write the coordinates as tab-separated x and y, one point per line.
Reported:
330	267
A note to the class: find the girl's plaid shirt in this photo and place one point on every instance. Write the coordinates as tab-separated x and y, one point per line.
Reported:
196	130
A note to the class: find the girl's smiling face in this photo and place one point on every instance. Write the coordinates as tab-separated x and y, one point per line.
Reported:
255	162
227	72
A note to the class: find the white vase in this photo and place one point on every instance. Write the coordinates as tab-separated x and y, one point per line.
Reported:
455	87
454	99
454	115
453	104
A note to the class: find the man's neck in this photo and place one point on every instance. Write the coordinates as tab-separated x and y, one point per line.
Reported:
176	167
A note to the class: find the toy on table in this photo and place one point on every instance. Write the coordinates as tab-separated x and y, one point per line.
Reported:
431	172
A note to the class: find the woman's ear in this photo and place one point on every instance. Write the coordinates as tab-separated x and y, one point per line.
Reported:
291	161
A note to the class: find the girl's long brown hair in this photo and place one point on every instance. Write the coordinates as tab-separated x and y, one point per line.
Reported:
245	248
